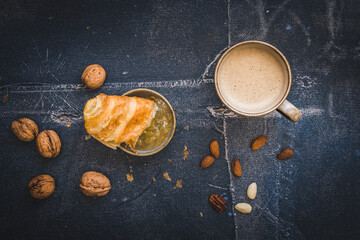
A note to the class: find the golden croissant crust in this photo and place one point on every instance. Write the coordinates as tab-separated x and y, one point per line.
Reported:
116	119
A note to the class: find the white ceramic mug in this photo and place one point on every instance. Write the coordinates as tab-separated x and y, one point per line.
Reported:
256	52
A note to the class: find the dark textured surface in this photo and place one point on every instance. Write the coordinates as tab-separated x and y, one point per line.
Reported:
172	47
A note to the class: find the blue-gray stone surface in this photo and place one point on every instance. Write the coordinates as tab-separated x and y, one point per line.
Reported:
172	47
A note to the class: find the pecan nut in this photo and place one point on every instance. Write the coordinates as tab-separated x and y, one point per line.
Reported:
41	186
48	144
25	129
217	202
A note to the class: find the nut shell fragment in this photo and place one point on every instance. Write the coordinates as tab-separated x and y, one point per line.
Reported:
48	144
42	186
25	129
94	184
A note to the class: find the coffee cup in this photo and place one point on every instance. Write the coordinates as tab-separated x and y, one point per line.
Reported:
253	78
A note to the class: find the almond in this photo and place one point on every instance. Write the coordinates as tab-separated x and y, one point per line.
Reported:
214	148
207	162
236	167
258	143
217	202
243	207
251	191
285	154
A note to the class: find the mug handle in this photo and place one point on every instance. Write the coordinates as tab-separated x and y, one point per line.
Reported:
290	111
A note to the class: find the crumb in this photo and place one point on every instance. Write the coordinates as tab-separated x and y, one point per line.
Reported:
68	124
87	137
88	27
154	180
267	11
169	160
130	177
24	99
209	34
220	109
5	97
186	152
201	214
166	176
50	18
178	184
186	127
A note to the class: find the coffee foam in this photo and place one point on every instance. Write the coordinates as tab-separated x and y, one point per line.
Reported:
252	79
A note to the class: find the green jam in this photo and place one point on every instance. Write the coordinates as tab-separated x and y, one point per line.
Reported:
159	129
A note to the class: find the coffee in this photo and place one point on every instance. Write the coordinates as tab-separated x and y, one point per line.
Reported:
252	79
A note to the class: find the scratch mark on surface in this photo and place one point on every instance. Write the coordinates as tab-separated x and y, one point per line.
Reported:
280	224
218	187
331	105
25	64
86	47
265	25
303	28
47	69
47	54
206	72
330	14
61	65
232	189
38	102
334	25
22	112
229	22
227	113
217	129
59	56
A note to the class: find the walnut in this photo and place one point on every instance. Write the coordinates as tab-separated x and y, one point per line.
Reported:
41	186
48	144
25	129
93	76
94	184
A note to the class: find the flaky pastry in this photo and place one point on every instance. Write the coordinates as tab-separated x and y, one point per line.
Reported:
116	119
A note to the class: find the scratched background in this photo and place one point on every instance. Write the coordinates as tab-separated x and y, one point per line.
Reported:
172	47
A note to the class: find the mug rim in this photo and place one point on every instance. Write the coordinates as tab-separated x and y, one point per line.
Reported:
216	82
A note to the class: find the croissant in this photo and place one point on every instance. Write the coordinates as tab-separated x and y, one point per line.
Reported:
116	119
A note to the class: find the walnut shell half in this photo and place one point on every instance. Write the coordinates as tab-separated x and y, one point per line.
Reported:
41	186
25	129
94	184
48	144
93	76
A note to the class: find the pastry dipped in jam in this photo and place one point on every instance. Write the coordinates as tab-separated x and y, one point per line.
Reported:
113	120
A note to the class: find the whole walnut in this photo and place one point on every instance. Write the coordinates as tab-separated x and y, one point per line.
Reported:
25	129
94	184
41	186
93	76
48	144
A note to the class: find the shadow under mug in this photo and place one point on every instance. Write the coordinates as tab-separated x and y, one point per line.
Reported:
283	105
